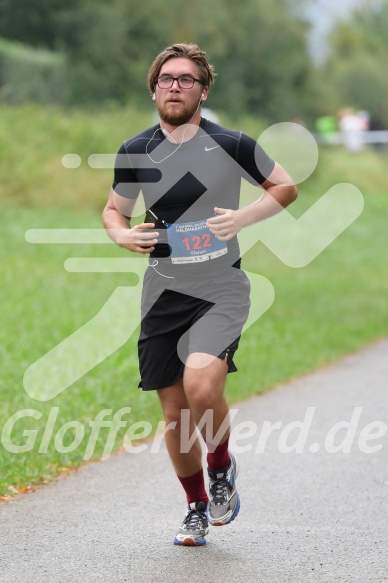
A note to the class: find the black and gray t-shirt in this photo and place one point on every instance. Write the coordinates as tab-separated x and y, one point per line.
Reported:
183	183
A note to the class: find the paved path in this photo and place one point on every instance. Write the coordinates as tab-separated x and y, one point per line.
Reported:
304	516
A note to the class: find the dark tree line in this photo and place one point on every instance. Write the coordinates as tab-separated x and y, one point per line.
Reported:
259	49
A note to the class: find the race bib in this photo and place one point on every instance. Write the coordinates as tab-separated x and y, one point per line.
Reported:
193	242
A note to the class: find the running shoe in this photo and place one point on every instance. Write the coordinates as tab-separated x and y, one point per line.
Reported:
194	526
224	503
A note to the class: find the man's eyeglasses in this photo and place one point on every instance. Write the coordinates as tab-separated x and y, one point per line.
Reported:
166	81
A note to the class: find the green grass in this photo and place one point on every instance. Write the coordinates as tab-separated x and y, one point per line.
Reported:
335	305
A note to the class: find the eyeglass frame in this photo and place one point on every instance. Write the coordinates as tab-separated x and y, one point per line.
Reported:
177	80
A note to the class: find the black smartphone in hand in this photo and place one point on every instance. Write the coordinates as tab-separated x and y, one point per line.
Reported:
151	217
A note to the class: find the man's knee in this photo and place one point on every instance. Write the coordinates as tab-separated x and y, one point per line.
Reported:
173	401
204	386
173	415
201	393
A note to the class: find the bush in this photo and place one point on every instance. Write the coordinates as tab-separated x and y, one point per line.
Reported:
30	75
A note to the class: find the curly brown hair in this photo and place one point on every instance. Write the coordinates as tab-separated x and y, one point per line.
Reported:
187	51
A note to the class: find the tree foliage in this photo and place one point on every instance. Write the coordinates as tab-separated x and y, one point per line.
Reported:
29	75
259	49
356	68
34	22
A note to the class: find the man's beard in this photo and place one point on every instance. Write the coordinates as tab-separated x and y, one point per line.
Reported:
177	118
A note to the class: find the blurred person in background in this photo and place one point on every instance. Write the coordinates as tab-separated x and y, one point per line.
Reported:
352	128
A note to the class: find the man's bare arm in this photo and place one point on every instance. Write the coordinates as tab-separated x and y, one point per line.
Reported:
279	192
137	239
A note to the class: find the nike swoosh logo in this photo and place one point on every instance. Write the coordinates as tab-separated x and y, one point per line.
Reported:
208	149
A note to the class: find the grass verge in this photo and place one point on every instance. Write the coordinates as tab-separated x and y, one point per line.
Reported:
335	305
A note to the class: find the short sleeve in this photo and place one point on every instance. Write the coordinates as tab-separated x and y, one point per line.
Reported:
125	181
254	161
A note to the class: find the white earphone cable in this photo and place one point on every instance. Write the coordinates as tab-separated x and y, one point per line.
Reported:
179	145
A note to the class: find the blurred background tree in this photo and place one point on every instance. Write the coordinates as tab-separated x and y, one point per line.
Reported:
259	52
101	53
355	72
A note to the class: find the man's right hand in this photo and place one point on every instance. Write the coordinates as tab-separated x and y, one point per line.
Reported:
139	239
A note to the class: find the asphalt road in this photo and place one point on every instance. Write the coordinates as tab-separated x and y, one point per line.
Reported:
313	515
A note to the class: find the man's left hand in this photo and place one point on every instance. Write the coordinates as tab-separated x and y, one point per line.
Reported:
226	225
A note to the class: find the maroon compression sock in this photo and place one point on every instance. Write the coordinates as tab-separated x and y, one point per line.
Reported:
219	458
194	486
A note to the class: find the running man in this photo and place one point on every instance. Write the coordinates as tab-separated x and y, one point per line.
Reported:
195	297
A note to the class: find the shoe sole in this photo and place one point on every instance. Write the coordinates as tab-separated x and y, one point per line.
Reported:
190	542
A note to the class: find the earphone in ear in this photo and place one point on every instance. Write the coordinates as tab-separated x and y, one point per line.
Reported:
153	97
203	95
